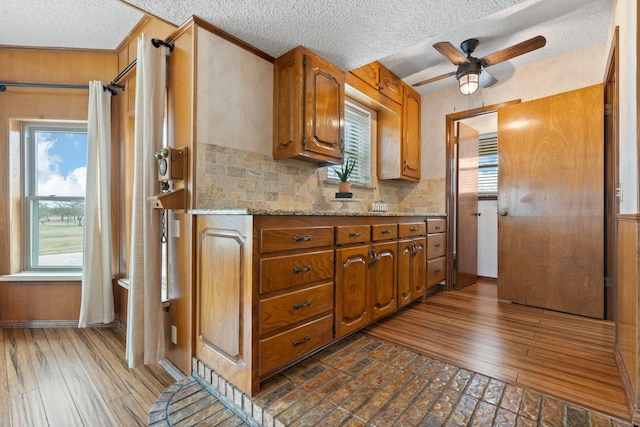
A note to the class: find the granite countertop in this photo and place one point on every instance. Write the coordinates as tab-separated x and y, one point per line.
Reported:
280	212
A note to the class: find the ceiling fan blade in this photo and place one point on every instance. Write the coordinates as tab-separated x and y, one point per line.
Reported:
447	50
434	79
486	79
513	51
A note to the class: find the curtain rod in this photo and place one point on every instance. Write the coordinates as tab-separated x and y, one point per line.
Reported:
3	86
109	87
155	43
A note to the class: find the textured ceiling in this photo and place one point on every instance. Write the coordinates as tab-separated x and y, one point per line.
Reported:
399	33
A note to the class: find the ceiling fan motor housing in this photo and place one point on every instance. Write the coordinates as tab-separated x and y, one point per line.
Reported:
472	67
469	45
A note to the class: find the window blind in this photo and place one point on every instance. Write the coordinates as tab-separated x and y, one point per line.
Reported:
357	144
488	165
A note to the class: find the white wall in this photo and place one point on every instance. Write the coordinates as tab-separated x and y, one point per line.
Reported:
556	75
488	238
624	15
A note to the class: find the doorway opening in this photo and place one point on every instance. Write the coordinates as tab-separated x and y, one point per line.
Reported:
465	207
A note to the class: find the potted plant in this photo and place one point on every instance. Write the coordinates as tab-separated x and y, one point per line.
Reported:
346	169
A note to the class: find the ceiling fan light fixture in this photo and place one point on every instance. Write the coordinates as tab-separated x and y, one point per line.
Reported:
469	83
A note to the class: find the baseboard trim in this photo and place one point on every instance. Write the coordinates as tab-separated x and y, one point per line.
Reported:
172	369
51	324
634	411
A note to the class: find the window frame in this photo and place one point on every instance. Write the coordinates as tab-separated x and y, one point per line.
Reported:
30	198
369	157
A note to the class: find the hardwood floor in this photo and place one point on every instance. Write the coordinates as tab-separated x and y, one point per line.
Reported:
73	377
565	356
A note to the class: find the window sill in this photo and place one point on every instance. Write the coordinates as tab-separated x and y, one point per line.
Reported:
45	276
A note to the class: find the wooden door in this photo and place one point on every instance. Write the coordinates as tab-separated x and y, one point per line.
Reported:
324	107
419	267
352	292
383	279
550	197
467	206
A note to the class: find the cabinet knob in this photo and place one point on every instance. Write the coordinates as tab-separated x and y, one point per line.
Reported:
386	231
413	229
437	227
355	234
306	238
302	341
437	245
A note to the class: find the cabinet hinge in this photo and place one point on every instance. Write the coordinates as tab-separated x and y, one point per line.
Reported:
608	282
608	109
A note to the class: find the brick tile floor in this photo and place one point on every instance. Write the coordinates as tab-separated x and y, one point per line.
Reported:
362	381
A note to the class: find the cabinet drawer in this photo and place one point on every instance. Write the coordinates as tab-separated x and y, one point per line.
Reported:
436	245
287	271
436	225
436	270
294	307
284	239
384	232
346	234
414	229
287	346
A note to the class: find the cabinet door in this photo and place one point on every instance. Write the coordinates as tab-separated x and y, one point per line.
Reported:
352	293
405	258
383	279
411	134
324	108
419	267
390	85
368	73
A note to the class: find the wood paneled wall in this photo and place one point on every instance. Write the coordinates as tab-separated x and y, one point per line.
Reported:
28	301
628	308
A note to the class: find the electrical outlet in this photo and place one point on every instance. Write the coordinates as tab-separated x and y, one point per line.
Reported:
175	228
174	334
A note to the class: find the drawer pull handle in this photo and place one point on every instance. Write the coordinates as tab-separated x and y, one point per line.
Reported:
386	231
355	234
437	270
437	245
437	227
298	306
304	269
306	238
413	229
302	341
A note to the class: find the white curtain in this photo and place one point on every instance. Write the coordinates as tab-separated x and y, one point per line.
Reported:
97	304
145	331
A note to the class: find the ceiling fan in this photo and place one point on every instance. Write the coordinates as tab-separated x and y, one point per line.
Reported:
471	71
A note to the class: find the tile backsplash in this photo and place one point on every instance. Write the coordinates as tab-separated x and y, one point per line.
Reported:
232	178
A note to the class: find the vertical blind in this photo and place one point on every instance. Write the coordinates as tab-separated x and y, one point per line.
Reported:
488	165
357	144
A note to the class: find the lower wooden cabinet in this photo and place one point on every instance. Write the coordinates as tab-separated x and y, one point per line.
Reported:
366	285
436	251
411	272
271	290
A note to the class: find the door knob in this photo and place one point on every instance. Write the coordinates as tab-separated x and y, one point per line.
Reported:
503	212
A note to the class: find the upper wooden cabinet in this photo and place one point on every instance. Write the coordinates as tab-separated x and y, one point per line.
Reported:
308	108
380	78
411	134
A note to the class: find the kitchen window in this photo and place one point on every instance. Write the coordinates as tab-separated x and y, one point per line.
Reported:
358	122
55	160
